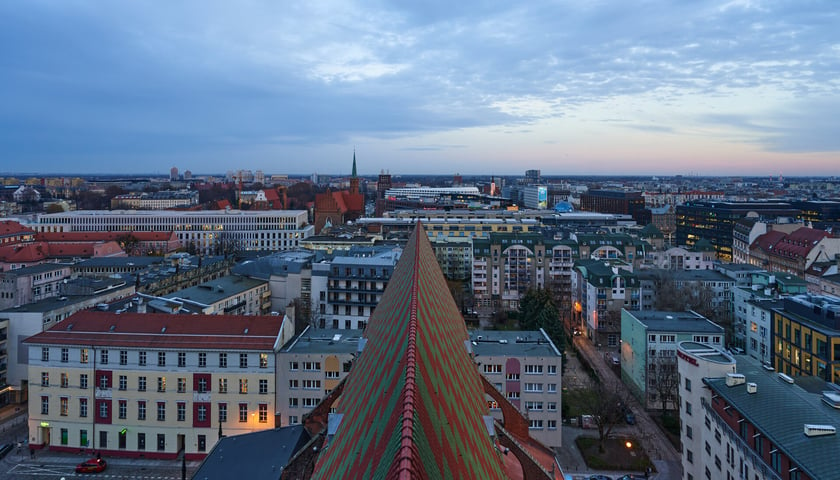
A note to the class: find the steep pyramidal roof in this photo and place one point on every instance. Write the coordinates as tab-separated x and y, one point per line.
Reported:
413	403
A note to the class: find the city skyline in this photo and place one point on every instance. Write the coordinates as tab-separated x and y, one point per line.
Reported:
659	88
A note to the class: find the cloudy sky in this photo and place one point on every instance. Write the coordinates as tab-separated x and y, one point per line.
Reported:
471	87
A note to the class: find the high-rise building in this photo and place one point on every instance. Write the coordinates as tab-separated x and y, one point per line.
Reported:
173	173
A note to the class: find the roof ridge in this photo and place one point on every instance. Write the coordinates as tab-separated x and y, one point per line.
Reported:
405	456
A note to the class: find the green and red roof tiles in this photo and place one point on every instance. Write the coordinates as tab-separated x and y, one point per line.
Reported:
413	403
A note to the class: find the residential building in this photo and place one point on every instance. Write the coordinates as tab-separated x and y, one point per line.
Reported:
696	361
205	231
228	295
611	246
748	229
454	256
648	353
754	423
152	385
525	367
681	258
806	337
13	233
31	284
155	200
793	253
289	276
600	290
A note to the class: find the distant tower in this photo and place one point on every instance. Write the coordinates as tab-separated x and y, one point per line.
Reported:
383	183
492	185
457	180
354	180
188	175
532	177
173	173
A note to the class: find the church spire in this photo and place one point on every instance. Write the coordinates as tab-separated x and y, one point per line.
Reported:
354	180
354	163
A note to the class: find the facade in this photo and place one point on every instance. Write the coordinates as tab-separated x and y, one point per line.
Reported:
162	385
454	255
793	253
600	290
649	352
13	233
505	266
715	221
206	231
806	337
525	367
615	201
747	230
535	196
680	258
696	361
155	200
289	275
135	243
612	246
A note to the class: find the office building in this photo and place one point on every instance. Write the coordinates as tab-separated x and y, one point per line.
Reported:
806	337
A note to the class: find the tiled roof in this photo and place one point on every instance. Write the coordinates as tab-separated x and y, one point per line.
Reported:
101	236
163	331
11	227
765	242
413	403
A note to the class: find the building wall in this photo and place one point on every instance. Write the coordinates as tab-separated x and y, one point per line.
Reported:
800	348
122	385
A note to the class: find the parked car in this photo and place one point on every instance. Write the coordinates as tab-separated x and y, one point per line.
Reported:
94	465
630	418
599	477
629	476
5	449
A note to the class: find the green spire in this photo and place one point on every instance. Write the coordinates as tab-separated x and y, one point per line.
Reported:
354	163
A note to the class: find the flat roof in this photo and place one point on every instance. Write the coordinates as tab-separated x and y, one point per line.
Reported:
214	290
324	341
174	213
513	343
706	352
41	267
660	321
779	411
256	455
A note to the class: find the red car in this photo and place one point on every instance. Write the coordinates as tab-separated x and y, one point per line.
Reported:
94	465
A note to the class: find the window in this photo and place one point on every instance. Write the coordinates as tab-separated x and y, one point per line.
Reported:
62	406
552	369
243	360
689	432
293	384
263	360
293	366
552	424
552	388
263	413
512	377
202	385
708	449
293	420
263	386
533	369
182	359
223	360
688	408
103	357
202	413
651	338
45	379
243	412
223	412
104	382
161	384
202	360
83	355
496	368
181	409
293	402
83	407
223	385
182	385
141	410
123	382
552	406
243	385
123	357
161	411
83	381
311	384
533	387
312	366
689	455
688	384
141	359
122	409
141	384
65	355
535	424
45	354
161	359
103	409
65	381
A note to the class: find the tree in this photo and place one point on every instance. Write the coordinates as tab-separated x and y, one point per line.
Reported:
608	408
664	381
538	310
128	243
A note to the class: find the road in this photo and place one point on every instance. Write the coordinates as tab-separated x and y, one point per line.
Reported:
660	450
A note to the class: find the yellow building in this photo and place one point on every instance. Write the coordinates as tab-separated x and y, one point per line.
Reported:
806	337
152	385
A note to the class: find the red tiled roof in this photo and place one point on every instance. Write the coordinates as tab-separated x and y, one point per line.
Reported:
102	236
766	241
797	244
11	227
339	201
24	253
413	402
161	330
271	195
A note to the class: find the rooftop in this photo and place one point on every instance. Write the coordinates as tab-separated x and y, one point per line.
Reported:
661	321
213	291
514	343
324	341
780	410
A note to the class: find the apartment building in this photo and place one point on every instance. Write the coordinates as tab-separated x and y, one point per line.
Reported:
31	284
741	420
454	255
152	385
806	337
228	295
648	359
600	290
525	367
206	231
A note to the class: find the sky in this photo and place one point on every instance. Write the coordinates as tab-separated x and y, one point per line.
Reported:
729	87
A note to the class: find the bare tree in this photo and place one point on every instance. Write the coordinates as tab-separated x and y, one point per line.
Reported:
664	381
608	408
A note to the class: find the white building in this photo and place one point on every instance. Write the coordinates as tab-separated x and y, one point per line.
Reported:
205	230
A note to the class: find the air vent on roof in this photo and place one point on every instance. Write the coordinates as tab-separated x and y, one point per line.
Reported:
785	377
733	379
112	328
768	367
752	387
163	330
245	332
819	430
832	399
69	327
